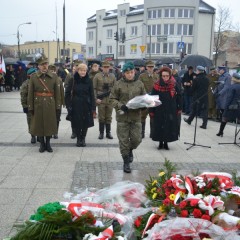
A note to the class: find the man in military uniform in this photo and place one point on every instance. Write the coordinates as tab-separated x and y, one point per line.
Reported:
67	79
148	78
24	96
213	78
128	120
102	84
44	103
94	70
53	69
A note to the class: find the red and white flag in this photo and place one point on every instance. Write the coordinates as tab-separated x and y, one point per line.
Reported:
2	65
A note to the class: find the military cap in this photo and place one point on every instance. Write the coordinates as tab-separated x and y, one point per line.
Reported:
31	71
105	64
222	68
42	59
128	66
200	68
76	62
150	64
52	67
236	75
212	68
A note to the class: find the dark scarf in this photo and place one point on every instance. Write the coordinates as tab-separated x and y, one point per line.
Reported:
168	86
78	79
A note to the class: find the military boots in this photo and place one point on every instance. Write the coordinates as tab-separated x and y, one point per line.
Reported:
101	130
108	131
48	146
131	156
126	164
42	144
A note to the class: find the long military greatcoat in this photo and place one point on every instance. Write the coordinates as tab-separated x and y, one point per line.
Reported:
44	108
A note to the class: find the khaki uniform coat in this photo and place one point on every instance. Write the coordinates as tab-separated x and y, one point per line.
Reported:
44	122
148	80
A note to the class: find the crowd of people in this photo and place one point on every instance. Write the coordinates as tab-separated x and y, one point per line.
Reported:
93	91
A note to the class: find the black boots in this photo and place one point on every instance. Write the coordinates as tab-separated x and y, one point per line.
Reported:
130	156
74	135
101	130
143	129
81	138
48	146
42	144
187	121
222	126
151	128
108	131
33	139
163	145
126	164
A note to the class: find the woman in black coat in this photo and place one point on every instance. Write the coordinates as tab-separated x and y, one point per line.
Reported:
165	117
80	102
232	106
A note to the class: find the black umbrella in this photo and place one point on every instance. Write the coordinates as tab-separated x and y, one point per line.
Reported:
196	60
139	63
164	60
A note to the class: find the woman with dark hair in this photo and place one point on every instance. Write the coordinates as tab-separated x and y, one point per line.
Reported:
80	101
165	117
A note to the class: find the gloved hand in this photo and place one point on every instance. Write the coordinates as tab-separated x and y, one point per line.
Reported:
179	112
143	108
25	110
58	112
124	108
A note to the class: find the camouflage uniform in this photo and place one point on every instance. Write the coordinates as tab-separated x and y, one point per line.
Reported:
129	123
148	81
103	83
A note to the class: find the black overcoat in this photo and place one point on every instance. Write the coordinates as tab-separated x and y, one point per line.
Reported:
165	121
79	96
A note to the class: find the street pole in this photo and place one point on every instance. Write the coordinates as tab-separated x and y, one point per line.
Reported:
18	37
64	54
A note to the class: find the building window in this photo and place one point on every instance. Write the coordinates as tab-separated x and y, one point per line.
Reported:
185	13
189	49
73	50
122	13
154	30
168	29
99	43
168	48
154	47
121	31
109	33
134	31
169	13
153	14
90	51
122	51
133	48
185	29
90	36
42	50
109	49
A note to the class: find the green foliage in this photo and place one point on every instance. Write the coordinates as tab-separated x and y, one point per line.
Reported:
236	179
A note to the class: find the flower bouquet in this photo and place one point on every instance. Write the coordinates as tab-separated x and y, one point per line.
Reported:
144	101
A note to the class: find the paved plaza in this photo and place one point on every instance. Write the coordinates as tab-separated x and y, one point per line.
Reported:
29	179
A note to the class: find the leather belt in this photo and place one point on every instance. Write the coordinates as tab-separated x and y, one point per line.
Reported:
44	94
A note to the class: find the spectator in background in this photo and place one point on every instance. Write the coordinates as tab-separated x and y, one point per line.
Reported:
220	92
24	97
213	78
21	76
200	97
187	81
232	104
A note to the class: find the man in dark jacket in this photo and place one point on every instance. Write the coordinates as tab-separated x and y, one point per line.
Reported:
187	81
200	97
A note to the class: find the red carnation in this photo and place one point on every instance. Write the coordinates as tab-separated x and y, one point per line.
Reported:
206	217
194	202
166	201
183	204
138	221
184	213
197	213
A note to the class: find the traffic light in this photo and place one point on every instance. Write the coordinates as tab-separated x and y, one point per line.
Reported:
123	37
116	36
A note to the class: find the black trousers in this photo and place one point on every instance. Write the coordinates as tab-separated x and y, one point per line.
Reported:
201	110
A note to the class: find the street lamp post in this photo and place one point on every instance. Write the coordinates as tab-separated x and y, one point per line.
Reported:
18	37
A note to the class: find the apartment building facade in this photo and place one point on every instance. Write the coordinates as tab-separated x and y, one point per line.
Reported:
152	30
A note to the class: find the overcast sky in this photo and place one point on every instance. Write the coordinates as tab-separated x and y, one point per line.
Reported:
42	15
